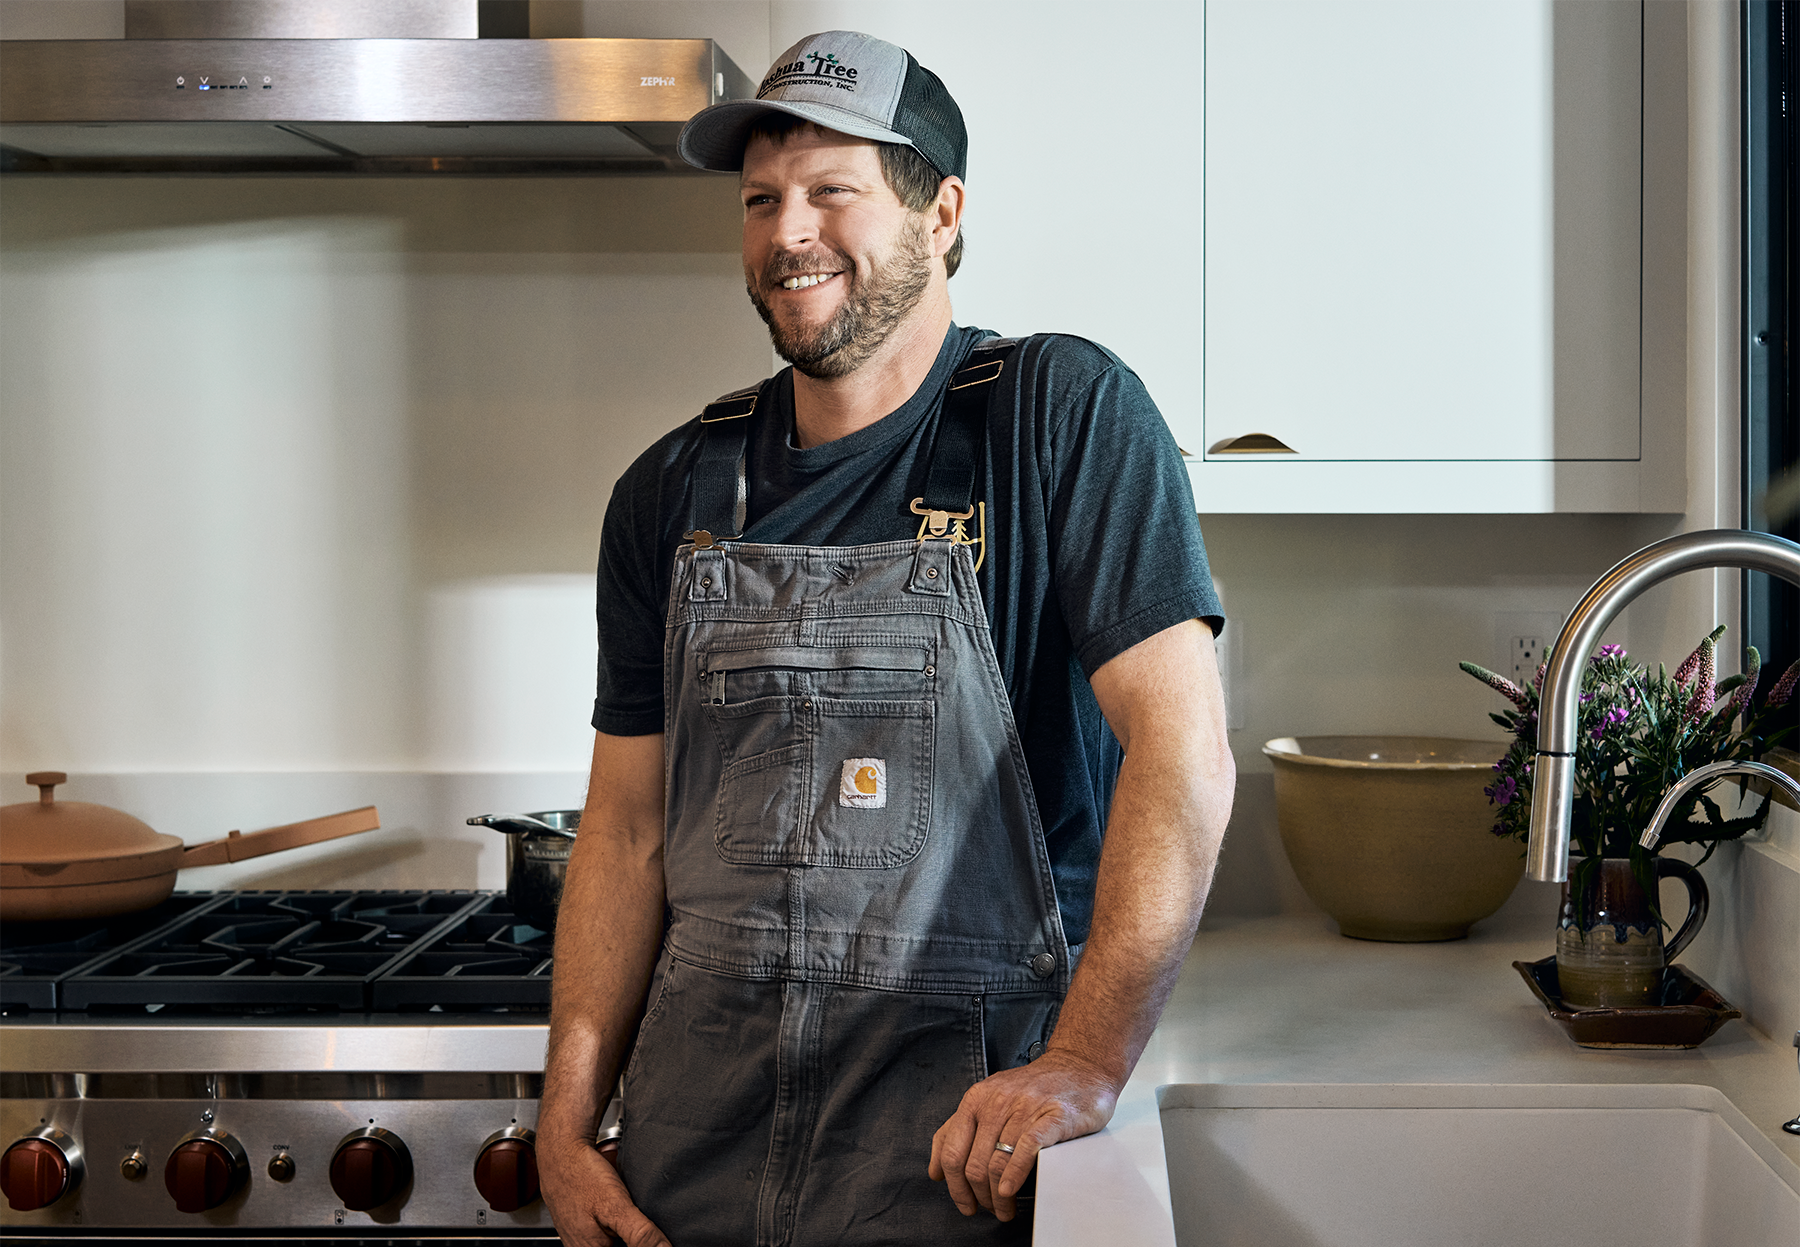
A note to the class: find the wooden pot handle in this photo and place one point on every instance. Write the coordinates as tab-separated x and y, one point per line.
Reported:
237	846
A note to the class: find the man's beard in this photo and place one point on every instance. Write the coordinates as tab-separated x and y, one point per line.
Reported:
869	314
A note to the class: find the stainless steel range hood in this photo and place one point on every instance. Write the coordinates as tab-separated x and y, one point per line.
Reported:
337	91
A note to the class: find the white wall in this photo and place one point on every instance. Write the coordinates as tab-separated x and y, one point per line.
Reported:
301	482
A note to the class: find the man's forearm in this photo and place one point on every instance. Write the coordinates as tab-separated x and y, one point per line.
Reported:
1163	701
609	931
1169	811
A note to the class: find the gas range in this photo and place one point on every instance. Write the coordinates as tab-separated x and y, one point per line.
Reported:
275	1066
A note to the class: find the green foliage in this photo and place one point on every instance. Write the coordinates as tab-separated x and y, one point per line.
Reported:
1639	732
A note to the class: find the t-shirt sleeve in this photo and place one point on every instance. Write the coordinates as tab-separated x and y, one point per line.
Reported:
1129	559
629	608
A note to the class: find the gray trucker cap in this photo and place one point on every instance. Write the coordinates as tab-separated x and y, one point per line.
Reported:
849	82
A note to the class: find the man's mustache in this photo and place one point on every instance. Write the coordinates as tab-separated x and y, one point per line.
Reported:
786	264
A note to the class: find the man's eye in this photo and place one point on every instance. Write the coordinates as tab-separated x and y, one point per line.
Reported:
756	201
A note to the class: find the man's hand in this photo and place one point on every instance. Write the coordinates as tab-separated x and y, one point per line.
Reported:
607	937
1054	1098
587	1200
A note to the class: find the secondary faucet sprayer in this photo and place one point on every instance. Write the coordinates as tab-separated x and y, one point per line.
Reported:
1553	784
1700	777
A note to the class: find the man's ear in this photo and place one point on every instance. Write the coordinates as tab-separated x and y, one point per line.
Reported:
946	215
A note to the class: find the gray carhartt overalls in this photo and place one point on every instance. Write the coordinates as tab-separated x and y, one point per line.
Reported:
861	917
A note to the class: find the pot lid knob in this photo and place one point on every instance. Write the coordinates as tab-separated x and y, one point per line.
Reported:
46	782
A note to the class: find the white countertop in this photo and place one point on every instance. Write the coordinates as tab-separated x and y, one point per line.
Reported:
1288	1000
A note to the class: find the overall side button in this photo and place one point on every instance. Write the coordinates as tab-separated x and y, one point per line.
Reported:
931	568
709	573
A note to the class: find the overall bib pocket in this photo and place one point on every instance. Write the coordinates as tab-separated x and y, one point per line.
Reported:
827	753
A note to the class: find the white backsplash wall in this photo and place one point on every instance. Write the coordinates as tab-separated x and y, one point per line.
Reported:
308	475
1354	625
504	656
206	549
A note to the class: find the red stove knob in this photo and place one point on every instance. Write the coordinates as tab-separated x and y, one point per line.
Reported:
369	1168
38	1170
506	1172
204	1169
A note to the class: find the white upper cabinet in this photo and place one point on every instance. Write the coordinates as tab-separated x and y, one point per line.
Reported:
1424	242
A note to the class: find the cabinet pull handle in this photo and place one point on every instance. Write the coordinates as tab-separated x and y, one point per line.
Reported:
1251	444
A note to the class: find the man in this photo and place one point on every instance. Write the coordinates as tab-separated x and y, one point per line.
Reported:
868	632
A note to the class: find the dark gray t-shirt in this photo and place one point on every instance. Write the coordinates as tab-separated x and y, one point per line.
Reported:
1092	545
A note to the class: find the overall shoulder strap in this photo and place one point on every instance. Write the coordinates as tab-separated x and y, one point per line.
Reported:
721	490
955	455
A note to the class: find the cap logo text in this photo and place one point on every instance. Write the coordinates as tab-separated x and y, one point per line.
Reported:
815	67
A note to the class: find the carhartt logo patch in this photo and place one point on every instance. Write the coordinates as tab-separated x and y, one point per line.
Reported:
864	784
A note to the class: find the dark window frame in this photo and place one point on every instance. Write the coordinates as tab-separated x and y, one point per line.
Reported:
1770	378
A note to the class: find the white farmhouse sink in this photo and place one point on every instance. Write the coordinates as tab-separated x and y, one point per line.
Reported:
1447	1166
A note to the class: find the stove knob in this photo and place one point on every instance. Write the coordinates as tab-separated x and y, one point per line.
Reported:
369	1168
39	1169
204	1169
506	1172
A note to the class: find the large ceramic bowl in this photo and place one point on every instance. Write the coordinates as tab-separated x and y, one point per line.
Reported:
1389	834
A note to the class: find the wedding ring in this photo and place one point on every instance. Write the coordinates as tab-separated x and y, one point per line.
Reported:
1004	1147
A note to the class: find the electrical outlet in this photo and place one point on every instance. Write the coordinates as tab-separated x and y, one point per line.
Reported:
1520	639
1526	653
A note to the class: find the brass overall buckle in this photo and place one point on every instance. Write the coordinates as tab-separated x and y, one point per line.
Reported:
937	523
954	527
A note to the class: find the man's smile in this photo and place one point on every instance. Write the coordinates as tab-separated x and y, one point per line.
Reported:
804	280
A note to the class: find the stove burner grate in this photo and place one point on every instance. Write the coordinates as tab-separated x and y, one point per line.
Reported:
488	960
37	957
267	952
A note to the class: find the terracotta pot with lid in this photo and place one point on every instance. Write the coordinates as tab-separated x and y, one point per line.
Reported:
77	859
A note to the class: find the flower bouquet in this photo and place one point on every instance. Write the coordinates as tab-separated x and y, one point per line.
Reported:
1640	731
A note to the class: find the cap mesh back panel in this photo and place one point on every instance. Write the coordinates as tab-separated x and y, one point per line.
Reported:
930	118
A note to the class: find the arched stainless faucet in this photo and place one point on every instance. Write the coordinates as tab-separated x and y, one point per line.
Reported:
1553	781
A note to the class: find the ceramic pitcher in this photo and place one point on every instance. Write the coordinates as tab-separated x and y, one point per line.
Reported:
1613	958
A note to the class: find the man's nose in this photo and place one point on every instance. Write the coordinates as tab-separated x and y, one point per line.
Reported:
796	223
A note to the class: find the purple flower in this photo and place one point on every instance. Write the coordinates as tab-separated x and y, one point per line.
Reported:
1618	714
1703	683
1784	687
1608	651
1503	791
1740	700
1685	672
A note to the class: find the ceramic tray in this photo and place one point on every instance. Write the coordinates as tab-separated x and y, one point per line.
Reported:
1688	1015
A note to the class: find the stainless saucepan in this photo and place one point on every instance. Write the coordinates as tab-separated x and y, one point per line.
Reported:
537	858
